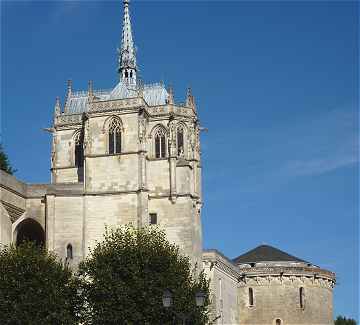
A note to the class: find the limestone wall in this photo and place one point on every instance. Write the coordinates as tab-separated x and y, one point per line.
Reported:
158	179
223	277
63	156
112	173
180	224
109	210
68	226
12	195
12	204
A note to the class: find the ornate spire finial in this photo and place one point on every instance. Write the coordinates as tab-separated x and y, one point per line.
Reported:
190	102
57	109
170	99
188	97
127	67
69	87
90	89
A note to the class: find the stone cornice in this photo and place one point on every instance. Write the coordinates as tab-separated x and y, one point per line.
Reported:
220	261
168	196
68	119
125	111
125	153
293	270
169	109
117	104
279	275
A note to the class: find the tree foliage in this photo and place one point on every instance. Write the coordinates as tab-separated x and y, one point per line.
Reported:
341	320
36	288
4	161
124	278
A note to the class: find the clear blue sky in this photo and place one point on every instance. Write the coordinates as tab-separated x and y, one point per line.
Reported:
276	84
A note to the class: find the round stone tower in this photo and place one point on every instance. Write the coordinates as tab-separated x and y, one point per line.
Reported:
279	289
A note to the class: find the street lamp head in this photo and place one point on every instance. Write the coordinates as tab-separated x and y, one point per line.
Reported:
167	298
200	298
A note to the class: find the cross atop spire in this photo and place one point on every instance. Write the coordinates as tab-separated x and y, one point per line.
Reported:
127	67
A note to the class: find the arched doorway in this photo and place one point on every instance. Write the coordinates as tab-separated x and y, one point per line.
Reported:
30	230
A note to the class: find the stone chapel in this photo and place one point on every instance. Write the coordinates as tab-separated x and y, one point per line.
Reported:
131	154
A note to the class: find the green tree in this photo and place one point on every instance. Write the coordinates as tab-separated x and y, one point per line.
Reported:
125	276
340	320
4	162
36	288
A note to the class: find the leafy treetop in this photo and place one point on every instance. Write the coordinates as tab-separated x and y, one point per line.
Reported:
125	276
36	288
341	320
4	162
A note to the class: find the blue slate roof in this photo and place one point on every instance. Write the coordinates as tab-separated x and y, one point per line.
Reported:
154	95
265	253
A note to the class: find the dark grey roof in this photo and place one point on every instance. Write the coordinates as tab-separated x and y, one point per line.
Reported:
265	253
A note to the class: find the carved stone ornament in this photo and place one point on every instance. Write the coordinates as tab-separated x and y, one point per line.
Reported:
172	133
53	152
197	143
142	129
87	138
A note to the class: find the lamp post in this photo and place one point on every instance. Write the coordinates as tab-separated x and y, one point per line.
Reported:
168	300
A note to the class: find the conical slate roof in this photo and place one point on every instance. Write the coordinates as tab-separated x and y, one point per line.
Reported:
265	253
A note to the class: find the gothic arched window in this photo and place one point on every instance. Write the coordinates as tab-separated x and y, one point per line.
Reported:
79	149
160	143
251	297
180	141
278	322
69	252
302	297
114	136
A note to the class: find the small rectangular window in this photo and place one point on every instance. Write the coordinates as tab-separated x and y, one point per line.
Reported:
153	218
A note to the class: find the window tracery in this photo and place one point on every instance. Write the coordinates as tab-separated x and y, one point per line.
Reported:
160	143
180	141
79	149
114	136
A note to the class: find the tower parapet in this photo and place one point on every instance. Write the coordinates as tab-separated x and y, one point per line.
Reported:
277	288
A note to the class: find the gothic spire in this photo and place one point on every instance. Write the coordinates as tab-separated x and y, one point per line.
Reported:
127	57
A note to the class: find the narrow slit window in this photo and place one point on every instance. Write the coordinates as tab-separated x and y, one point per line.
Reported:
69	252
114	137
153	218
302	297
251	297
